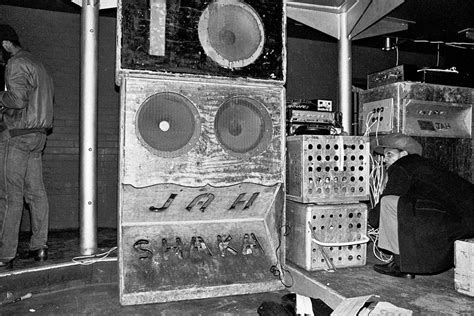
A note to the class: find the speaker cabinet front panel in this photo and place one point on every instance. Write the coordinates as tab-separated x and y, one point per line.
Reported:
180	243
224	38
201	133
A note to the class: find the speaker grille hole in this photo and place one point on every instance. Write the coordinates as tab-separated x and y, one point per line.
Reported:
168	124
243	126
231	33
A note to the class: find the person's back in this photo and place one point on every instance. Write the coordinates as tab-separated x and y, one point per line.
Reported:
27	113
35	108
429	181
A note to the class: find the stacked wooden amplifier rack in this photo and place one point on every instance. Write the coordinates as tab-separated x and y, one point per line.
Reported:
327	178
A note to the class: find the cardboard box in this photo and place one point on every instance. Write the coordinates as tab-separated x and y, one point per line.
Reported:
464	266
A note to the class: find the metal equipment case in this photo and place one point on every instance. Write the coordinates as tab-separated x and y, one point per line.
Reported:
327	169
326	232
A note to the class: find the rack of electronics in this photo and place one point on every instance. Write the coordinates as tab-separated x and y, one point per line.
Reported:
326	179
312	117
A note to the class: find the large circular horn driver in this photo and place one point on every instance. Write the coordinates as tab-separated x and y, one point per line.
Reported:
243	127
168	124
231	33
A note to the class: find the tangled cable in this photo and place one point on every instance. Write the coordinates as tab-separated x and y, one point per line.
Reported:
91	259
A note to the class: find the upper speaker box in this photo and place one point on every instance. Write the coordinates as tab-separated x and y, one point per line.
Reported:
221	38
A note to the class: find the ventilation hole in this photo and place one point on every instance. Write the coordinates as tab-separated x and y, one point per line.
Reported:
310	146
310	158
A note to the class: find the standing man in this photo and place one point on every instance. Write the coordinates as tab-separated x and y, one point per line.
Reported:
26	108
422	211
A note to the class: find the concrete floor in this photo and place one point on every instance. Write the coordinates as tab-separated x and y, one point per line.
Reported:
62	287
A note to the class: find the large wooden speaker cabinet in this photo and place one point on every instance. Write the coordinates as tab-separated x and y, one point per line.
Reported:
202	150
221	38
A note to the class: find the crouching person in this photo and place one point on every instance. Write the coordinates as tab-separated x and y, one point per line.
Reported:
422	210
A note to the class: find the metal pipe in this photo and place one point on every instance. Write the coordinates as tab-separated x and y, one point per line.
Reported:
88	136
345	74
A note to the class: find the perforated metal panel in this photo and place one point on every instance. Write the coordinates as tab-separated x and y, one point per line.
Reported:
343	226
327	169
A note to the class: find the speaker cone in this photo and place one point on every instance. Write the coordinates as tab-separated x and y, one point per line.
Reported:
231	33
168	124
243	126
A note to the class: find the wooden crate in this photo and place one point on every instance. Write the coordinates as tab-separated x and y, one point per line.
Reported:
323	236
327	169
464	266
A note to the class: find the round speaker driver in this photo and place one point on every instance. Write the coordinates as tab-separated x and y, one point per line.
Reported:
231	33
243	127
168	124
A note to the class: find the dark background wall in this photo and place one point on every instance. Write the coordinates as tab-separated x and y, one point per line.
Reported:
55	38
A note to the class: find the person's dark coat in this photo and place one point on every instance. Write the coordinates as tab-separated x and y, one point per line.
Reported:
436	207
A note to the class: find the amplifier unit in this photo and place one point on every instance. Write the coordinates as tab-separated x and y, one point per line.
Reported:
304	116
391	75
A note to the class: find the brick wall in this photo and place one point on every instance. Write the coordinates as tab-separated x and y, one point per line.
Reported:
55	38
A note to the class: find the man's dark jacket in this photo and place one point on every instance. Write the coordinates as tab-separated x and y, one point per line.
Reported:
436	207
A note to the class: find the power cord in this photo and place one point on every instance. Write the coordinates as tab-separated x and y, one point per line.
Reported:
91	259
373	234
280	273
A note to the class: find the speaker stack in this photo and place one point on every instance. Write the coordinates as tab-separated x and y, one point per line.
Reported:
202	149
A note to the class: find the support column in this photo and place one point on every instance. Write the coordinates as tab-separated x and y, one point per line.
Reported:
345	74
88	136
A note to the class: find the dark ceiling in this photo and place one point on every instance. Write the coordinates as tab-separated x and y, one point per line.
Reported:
436	24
